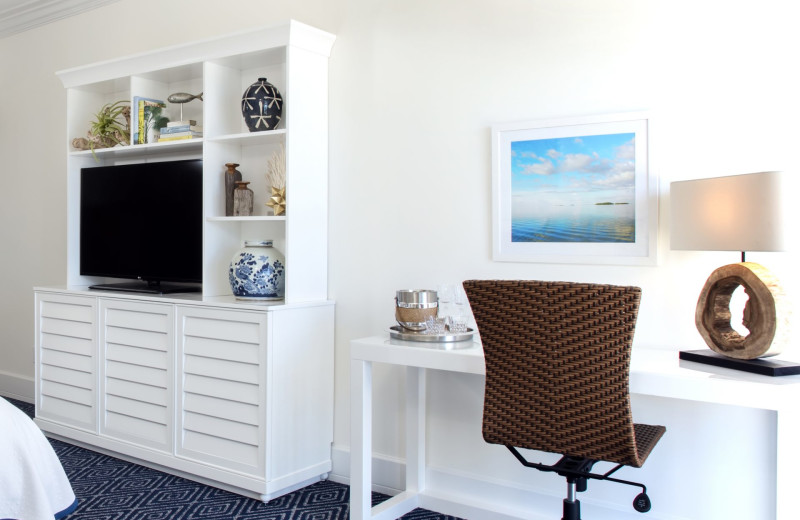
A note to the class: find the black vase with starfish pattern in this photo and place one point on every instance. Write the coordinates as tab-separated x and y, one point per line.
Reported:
262	106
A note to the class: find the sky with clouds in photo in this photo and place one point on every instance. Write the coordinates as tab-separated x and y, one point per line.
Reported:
574	170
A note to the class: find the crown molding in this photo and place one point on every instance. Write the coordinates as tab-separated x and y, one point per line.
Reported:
17	16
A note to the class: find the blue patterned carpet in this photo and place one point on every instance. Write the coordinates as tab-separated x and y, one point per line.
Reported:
113	489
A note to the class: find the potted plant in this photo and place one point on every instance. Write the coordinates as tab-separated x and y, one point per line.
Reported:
111	127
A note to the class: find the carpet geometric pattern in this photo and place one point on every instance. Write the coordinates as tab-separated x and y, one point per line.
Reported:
112	489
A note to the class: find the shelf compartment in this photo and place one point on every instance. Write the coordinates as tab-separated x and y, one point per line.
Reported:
84	102
227	80
161	84
251	152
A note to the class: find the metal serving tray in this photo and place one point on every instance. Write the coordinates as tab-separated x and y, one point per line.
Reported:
398	332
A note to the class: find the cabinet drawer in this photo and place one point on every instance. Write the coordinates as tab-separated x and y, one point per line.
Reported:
66	355
139	317
226	327
66	376
147	433
66	328
64	410
233	391
67	360
123	354
136	372
136	390
140	339
222	358
222	369
66	392
148	412
67	308
223	408
76	345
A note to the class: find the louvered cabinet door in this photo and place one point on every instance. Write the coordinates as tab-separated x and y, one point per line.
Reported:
66	360
222	367
136	372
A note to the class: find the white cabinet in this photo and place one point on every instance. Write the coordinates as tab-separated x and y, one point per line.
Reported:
237	396
256	391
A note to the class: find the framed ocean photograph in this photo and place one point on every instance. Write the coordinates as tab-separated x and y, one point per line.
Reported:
574	191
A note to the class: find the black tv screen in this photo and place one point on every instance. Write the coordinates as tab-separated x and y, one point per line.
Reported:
145	222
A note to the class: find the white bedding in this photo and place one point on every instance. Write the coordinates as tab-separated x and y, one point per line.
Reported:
33	485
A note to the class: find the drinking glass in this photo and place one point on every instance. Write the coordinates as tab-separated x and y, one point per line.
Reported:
446	293
435	326
458	324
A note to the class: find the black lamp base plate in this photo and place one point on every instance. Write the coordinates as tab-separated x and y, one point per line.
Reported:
756	366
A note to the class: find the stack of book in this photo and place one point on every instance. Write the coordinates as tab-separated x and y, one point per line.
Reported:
179	130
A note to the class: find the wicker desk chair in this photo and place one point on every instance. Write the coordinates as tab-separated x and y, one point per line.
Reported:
557	364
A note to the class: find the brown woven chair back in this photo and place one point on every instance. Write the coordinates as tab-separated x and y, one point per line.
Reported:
557	363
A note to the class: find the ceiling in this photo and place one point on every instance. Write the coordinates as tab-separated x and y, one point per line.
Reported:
20	15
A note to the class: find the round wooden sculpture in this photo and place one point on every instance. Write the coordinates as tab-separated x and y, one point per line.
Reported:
765	314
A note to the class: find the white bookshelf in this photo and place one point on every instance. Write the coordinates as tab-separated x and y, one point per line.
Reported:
293	57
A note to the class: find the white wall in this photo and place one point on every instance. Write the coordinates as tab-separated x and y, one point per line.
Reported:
415	86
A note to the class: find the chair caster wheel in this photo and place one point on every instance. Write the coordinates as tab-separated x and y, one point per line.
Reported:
642	503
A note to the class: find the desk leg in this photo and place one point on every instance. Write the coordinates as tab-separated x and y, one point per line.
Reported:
361	445
415	429
788	460
360	439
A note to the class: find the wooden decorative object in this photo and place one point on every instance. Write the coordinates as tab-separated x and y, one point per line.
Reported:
232	176
242	200
766	314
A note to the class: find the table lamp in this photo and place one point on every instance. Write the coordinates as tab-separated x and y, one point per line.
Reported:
743	213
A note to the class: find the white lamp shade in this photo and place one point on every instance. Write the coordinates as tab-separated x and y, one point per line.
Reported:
750	212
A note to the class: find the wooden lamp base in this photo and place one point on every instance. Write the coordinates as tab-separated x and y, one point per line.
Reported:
766	316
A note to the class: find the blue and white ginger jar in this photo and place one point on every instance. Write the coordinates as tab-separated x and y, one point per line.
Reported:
258	272
262	106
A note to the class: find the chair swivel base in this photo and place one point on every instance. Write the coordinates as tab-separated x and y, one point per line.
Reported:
578	471
572	506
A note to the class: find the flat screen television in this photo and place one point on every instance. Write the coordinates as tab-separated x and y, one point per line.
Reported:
143	222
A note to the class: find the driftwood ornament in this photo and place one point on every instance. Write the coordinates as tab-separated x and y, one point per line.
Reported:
766	314
232	176
242	200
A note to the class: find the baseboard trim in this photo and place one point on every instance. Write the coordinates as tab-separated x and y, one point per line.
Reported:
471	496
17	387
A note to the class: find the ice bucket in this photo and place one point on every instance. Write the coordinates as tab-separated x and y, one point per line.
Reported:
414	306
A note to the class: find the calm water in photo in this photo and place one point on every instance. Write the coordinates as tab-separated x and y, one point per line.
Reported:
573	223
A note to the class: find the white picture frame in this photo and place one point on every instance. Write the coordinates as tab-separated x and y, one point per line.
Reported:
575	190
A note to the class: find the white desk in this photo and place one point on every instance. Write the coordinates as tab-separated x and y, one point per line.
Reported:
653	372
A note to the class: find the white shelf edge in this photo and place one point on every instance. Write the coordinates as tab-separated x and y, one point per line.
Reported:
253	218
143	149
250	137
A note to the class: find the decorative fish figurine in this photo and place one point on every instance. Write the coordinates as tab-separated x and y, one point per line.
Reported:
183	97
